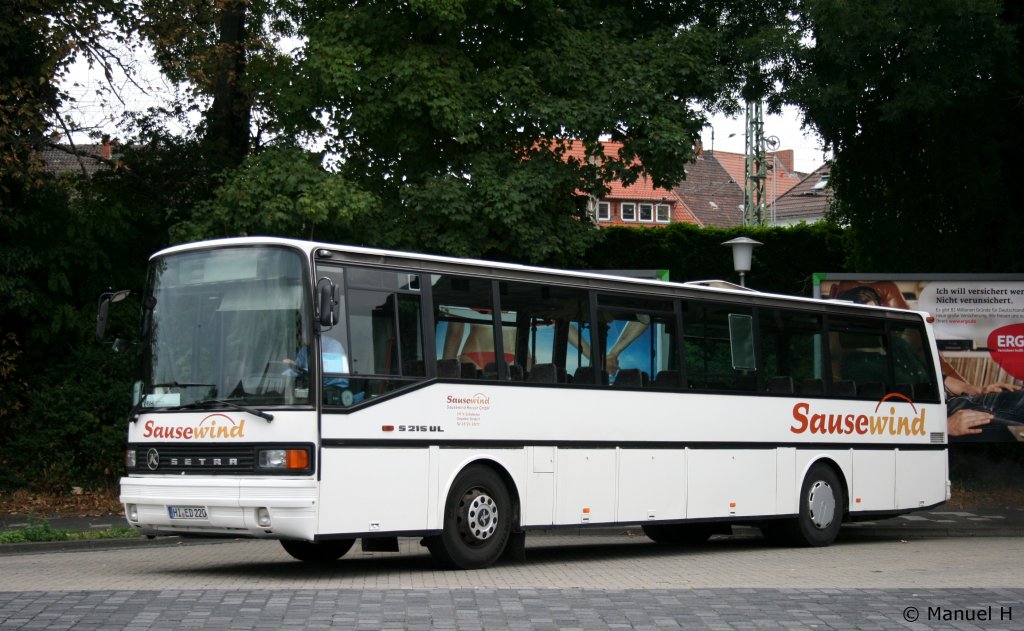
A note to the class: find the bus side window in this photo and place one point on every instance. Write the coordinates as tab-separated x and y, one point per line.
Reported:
550	326
378	346
791	346
912	366
716	336
640	342
860	358
464	329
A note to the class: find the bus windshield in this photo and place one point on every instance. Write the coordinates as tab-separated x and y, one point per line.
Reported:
227	324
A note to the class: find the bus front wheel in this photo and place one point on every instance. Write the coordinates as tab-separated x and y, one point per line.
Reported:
477	521
317	551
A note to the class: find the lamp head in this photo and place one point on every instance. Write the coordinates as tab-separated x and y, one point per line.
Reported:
742	252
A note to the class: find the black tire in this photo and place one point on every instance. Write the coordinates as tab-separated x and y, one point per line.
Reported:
821	507
821	512
477	521
679	534
318	551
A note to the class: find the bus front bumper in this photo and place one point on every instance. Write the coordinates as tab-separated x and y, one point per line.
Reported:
270	508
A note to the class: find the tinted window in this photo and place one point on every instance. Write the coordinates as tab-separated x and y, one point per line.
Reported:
715	337
860	358
551	330
791	344
639	341
378	344
465	331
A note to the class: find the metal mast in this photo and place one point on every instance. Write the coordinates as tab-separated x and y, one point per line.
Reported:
755	171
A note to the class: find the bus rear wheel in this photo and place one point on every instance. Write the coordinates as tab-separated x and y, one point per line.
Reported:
477	521
820	514
679	534
317	551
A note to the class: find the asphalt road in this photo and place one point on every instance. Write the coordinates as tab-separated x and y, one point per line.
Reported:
606	580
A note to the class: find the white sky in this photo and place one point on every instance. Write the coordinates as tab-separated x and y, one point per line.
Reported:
806	146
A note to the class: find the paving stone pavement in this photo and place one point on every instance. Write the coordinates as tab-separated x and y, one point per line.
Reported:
569	581
540	609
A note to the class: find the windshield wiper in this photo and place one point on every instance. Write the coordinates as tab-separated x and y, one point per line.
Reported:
133	414
206	403
178	384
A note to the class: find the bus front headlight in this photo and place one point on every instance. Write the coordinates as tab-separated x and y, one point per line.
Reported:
283	459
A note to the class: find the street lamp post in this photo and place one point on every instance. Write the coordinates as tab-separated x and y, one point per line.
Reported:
742	253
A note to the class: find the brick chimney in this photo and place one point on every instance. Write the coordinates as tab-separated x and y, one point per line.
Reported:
785	158
105	151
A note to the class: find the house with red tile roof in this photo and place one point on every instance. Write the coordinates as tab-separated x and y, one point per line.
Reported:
713	188
807	202
638	204
710	195
641	204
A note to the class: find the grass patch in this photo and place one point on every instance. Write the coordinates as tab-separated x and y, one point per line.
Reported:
39	530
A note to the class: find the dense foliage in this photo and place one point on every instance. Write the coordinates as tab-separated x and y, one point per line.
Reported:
451	113
923	104
784	263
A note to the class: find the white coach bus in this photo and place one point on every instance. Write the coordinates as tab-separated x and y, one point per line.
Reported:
318	394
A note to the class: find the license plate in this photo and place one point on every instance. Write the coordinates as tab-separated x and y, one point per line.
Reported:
187	512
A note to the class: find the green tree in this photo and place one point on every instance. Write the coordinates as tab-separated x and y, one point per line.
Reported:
41	38
282	191
451	112
57	250
921	103
226	52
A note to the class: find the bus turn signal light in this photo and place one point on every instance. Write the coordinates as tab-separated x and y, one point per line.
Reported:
297	459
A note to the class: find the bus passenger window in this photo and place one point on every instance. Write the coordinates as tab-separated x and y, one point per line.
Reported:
550	332
860	360
914	375
640	341
715	338
791	346
464	329
378	345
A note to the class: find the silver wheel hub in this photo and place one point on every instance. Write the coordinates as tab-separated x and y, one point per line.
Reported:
821	502
482	517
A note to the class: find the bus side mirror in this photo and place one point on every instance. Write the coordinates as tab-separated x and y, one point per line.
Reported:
103	308
330	302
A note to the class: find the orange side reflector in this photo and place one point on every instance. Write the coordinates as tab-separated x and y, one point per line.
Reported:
586	511
732	504
297	459
387	428
858	500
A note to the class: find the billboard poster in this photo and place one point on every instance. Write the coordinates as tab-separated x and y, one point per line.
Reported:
979	330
